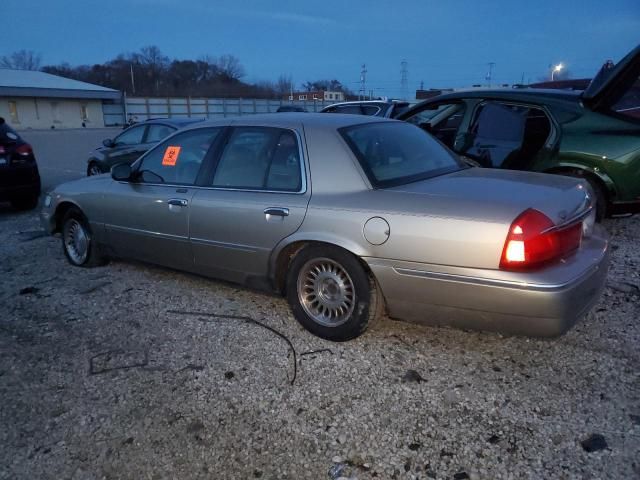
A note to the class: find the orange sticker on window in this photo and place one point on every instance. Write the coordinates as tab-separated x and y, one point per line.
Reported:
171	155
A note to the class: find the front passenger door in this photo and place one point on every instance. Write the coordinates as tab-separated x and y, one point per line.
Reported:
148	217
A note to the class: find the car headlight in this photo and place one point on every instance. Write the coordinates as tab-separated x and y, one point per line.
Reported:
47	200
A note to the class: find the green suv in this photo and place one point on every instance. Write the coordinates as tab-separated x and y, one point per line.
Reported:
594	134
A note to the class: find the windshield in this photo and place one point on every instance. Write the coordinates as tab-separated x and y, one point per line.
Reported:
397	153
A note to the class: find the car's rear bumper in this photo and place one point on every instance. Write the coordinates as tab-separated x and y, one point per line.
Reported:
19	181
543	304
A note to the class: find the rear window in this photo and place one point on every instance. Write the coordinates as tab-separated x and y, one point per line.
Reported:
393	153
629	102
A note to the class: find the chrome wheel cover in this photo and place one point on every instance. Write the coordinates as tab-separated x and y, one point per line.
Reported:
94	170
76	241
326	292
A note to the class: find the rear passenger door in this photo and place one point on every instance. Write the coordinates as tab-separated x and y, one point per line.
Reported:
256	196
507	135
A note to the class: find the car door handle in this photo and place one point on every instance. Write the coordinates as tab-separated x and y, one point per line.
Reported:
178	202
278	211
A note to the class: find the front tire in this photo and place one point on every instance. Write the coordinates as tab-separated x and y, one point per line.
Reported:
77	241
94	169
331	294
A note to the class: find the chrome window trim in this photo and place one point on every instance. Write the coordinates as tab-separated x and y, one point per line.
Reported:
303	168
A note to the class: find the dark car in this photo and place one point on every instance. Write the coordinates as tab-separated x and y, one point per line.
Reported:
290	108
378	108
19	176
133	142
594	134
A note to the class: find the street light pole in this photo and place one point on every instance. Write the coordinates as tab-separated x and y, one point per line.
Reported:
556	69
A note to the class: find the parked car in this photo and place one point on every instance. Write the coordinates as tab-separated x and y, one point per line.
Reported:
19	176
290	108
133	142
594	135
393	217
377	108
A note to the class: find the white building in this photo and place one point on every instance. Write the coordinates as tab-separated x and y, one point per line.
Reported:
33	99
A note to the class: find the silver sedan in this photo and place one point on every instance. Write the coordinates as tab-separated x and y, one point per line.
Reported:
349	217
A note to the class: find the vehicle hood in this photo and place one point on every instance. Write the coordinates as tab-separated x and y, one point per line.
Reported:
500	195
92	184
99	153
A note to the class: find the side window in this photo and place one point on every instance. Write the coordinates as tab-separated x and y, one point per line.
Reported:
370	110
629	102
178	160
507	136
158	132
133	136
442	121
354	109
260	158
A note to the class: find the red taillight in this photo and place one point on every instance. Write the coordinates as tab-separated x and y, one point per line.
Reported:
534	240
24	149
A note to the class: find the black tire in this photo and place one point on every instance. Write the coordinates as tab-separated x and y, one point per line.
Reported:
25	203
94	169
365	297
597	191
75	221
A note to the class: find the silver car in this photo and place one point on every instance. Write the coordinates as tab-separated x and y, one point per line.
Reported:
349	217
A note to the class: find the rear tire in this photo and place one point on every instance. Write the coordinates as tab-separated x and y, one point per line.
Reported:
597	192
77	241
25	203
331	294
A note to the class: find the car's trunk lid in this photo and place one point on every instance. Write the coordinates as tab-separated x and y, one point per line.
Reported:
611	83
501	195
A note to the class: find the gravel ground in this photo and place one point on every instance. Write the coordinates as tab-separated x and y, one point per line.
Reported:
98	379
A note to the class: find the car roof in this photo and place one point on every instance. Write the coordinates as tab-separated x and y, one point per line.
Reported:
176	122
523	94
294	120
368	102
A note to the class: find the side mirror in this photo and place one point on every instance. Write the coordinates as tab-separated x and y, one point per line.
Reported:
121	172
107	142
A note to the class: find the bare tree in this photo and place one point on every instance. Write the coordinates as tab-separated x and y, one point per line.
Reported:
21	60
284	84
230	66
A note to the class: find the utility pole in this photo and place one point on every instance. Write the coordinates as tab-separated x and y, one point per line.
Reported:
421	84
490	72
404	82
133	83
363	81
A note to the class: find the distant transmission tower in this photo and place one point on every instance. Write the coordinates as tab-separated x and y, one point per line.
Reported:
490	72
363	82
404	81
